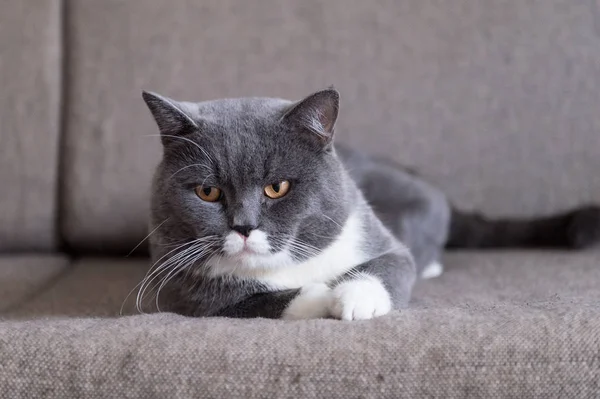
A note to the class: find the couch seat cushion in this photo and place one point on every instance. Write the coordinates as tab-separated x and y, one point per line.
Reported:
24	277
502	324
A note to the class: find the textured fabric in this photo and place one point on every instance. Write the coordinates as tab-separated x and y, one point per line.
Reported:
91	287
475	281
29	116
506	324
426	353
528	280
23	277
495	101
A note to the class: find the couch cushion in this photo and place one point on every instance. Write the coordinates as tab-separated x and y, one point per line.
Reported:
529	280
477	282
446	354
497	102
501	324
30	80
23	277
91	287
495	325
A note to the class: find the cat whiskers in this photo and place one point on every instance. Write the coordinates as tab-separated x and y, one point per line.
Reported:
351	274
297	247
175	264
318	235
189	260
158	268
336	223
191	166
185	139
148	274
153	274
148	236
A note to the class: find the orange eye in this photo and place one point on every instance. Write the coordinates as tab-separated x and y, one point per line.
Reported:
208	194
277	190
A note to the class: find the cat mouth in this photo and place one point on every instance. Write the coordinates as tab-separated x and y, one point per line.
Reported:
246	251
236	246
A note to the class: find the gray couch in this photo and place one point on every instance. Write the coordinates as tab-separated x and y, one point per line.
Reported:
498	102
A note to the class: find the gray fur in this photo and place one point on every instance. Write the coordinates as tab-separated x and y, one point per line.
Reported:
241	145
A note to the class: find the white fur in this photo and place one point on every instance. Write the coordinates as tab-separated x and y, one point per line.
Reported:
282	271
313	302
233	243
257	256
432	270
256	242
360	299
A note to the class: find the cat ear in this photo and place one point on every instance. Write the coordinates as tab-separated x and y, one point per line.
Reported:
173	118
317	113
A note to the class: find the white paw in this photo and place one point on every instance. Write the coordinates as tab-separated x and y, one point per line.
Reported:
313	302
434	269
360	299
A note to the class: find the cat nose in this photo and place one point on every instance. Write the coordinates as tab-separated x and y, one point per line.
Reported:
244	230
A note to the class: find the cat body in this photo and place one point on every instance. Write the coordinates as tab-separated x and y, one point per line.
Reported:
255	213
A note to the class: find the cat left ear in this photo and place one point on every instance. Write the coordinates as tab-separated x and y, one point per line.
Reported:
173	118
317	114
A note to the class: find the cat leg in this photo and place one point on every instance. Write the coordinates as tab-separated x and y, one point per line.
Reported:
375	287
417	213
310	302
270	305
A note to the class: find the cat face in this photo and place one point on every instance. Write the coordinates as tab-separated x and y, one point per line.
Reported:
256	181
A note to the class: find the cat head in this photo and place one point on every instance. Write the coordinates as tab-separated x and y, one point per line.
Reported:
249	183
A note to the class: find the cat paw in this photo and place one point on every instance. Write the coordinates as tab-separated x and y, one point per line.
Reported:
360	299
584	227
313	302
432	270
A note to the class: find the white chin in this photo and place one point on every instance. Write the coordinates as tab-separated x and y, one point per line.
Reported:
250	260
250	256
248	265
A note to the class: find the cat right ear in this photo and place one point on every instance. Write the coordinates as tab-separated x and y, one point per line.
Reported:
316	114
173	118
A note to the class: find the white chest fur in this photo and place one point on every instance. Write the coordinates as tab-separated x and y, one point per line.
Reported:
282	272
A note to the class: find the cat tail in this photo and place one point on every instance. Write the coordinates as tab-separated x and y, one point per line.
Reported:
575	229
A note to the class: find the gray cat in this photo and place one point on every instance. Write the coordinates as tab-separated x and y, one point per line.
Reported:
255	213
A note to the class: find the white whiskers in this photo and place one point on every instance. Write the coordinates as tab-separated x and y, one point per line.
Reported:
165	270
185	139
297	247
145	238
325	216
199	165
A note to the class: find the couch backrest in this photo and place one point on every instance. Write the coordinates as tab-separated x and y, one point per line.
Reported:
497	102
30	94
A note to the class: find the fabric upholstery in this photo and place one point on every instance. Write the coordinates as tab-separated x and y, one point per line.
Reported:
522	325
90	287
494	101
30	80
22	277
497	102
100	286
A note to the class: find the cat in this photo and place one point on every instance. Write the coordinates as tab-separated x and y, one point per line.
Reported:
256	213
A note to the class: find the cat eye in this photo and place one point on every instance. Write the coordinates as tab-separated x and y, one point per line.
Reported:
277	190
209	194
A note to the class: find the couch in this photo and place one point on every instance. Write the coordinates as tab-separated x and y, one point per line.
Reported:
495	102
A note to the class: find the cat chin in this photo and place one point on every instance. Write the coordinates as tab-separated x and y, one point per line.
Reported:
282	271
245	264
247	256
